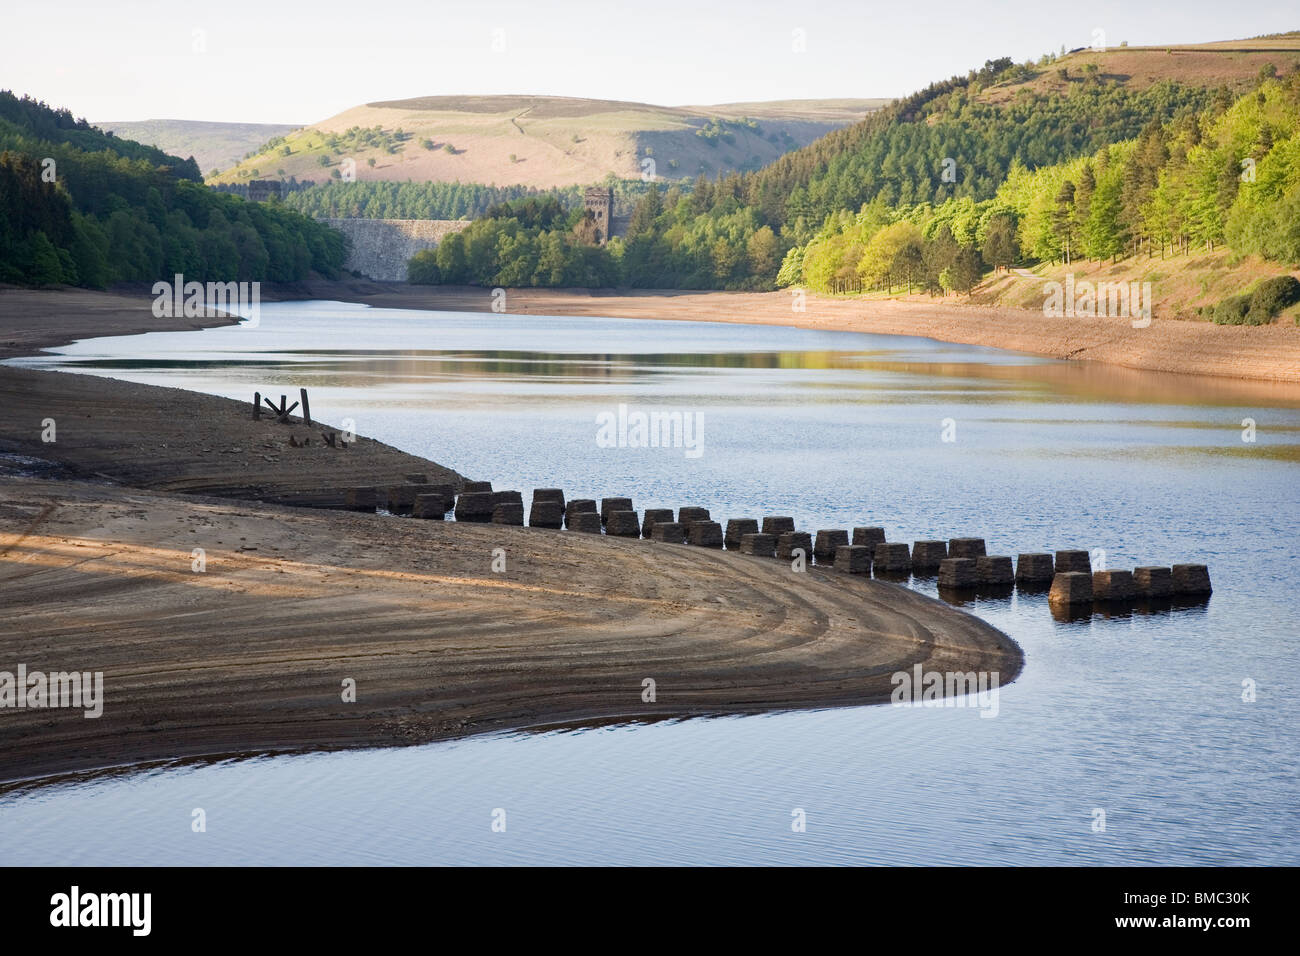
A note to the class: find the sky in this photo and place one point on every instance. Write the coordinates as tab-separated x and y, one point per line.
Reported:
273	62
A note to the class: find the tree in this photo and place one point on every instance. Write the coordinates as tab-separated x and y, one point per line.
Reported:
1000	248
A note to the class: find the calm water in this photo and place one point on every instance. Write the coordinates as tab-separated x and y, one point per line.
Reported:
1139	715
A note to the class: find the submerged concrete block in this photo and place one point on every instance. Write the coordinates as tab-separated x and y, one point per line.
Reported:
546	514
361	499
928	555
892	557
585	521
737	528
613	504
759	545
1113	586
579	506
687	515
1071	587
965	547
654	516
706	534
475	506
623	524
1153	582
994	570
1035	569
1073	561
508	512
788	541
827	541
853	559
670	532
777	524
1191	579
869	537
958	573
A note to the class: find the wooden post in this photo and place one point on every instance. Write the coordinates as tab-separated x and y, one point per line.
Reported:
306	409
257	406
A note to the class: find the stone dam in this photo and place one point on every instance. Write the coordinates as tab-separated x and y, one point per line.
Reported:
380	248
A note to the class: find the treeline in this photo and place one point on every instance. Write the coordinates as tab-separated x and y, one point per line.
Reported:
81	207
536	241
1229	174
372	199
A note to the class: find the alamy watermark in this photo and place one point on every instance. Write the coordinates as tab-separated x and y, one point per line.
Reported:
191	300
922	688
38	689
657	428
1125	300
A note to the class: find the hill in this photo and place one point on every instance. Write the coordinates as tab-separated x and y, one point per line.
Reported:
214	146
543	141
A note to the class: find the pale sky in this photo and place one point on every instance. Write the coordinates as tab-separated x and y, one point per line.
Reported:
275	62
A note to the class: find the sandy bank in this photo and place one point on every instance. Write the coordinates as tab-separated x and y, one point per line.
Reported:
251	653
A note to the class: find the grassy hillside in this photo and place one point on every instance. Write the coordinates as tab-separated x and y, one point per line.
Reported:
214	146
543	141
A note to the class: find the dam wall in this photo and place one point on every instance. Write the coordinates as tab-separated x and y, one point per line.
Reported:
380	248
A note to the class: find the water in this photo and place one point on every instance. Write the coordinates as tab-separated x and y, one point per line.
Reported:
1139	715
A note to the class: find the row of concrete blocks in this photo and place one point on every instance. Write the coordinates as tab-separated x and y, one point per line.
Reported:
1152	582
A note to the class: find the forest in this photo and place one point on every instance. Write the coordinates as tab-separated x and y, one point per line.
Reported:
79	206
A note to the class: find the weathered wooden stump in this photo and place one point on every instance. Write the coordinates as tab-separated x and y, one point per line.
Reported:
1071	587
1153	582
654	516
361	499
1191	579
759	545
870	537
965	547
579	506
584	521
994	570
475	506
1073	561
549	494
928	555
613	504
1113	586
432	506
788	541
892	557
476	487
737	528
669	532
958	573
546	514
1035	570
623	524
508	512
687	515
853	559
828	539
705	534
777	524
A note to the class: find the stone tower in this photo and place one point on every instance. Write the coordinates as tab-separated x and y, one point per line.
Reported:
599	201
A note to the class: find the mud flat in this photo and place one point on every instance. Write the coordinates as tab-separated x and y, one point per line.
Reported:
251	653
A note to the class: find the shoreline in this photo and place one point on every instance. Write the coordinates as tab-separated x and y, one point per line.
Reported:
247	654
1268	353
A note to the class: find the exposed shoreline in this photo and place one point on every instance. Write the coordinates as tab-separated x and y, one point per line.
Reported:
249	654
1269	353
